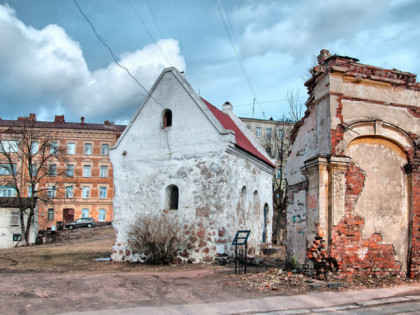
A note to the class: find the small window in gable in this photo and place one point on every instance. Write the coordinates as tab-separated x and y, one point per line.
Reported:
167	118
172	197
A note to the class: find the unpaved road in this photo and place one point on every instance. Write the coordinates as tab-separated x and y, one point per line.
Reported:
65	277
40	293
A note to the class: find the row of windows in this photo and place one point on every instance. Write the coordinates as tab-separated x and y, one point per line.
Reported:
280	153
69	192
87	150
13	146
85	214
87	170
9	191
268	132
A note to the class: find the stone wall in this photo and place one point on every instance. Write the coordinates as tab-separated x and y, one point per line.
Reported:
221	188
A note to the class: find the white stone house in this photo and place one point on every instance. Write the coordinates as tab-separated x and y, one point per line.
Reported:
182	156
10	231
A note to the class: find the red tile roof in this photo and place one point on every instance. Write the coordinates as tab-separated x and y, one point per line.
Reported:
241	140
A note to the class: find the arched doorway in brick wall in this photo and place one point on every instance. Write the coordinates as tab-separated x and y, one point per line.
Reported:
377	192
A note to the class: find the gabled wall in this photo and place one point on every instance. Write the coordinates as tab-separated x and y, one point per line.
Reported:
197	155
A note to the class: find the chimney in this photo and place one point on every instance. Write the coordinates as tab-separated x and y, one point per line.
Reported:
32	117
59	119
82	120
227	107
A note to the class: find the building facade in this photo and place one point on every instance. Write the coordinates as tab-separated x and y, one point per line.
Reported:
274	136
81	183
182	157
10	228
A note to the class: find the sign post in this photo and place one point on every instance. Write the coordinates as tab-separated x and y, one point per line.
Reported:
241	239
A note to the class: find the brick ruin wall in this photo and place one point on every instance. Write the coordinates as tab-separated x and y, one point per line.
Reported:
349	253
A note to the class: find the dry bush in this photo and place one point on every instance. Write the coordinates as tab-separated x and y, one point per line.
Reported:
158	237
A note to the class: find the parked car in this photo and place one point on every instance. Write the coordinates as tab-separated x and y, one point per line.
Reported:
82	222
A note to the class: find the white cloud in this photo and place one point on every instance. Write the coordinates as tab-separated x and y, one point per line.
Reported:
46	67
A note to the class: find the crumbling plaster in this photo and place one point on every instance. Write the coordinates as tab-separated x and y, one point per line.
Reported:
351	149
198	156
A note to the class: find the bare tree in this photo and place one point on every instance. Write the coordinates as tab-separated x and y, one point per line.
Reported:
279	185
28	155
296	107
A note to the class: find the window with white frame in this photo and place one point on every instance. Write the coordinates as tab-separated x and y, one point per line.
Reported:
105	149
85	192
7	191
85	213
86	170
70	170
69	191
278	173
53	148
258	132
102	215
281	133
9	146
88	148
7	169
268	132
51	191
50	214
102	192
34	147
71	148
52	170
14	218
104	171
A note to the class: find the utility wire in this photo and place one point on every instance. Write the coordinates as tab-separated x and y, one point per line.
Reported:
109	48
160	32
230	33
147	30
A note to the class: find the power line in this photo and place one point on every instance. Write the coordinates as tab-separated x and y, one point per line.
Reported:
147	30
109	48
273	101
230	33
160	31
113	56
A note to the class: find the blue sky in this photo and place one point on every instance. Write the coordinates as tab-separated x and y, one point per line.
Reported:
52	63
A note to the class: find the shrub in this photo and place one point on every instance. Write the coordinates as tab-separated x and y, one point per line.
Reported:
158	237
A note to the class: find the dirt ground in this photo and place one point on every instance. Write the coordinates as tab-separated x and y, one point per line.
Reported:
64	276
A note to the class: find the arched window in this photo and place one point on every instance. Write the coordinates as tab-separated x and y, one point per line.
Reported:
256	202
243	197
265	223
172	197
167	118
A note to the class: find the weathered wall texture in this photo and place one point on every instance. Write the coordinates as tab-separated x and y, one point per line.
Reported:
353	171
221	188
8	227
